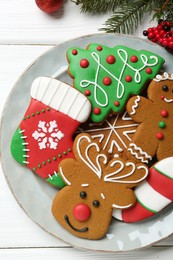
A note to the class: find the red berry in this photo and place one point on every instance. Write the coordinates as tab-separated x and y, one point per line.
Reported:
171	44
49	6
151	35
165	43
145	33
162	32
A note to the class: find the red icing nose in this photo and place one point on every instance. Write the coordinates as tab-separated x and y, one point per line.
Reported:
81	212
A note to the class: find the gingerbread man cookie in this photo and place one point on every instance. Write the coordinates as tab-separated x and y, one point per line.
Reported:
95	186
45	135
154	114
109	76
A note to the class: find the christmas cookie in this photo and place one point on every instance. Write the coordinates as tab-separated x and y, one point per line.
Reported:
155	117
95	186
114	133
152	195
44	136
109	76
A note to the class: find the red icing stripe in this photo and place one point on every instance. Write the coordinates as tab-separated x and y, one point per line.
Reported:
136	213
161	183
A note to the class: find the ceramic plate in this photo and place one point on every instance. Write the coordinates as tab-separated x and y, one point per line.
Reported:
35	195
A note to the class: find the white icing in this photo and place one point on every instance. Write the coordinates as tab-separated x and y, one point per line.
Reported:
123	55
168	100
61	97
103	196
121	207
137	156
165	76
111	177
47	135
141	152
84	185
94	166
165	166
150	198
114	143
63	176
135	105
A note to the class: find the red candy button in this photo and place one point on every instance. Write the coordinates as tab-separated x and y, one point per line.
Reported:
74	52
84	63
164	113
110	59
107	81
148	70
87	92
133	58
81	212
128	78
117	103
97	111
159	136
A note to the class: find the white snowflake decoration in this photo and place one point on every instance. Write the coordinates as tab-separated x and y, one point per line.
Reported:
47	135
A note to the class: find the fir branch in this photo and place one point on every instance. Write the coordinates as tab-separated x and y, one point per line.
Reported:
164	10
128	17
100	6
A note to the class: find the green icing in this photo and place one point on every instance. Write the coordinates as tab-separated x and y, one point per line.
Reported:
56	180
17	147
145	66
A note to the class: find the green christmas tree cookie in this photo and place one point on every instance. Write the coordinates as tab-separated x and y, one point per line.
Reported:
109	76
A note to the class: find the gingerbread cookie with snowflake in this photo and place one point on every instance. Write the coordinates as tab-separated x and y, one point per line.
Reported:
45	135
109	76
114	133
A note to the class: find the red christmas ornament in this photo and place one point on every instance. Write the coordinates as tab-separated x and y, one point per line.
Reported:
49	6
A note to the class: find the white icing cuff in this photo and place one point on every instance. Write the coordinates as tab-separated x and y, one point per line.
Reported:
62	97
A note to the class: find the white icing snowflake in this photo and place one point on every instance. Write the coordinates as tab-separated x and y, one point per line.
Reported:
47	135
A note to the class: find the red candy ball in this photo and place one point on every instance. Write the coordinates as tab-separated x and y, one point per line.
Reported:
117	103
159	136
84	63
99	48
107	81
97	110
81	212
110	59
134	58
128	78
87	92
164	113
148	70
74	52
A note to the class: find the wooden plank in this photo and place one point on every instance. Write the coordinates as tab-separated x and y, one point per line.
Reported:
74	254
28	24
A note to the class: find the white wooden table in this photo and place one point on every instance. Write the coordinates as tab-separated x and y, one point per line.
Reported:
26	33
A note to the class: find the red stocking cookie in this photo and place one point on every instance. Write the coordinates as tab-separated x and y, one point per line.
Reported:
152	195
109	76
95	186
44	136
